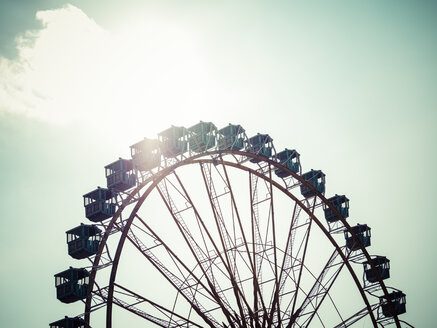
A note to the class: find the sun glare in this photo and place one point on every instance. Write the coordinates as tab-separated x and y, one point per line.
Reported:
136	80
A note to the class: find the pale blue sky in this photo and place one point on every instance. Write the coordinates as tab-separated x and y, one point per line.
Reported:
351	85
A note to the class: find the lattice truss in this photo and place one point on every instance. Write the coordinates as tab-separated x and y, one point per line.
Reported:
230	237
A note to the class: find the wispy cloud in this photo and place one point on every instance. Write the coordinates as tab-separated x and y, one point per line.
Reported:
55	66
72	69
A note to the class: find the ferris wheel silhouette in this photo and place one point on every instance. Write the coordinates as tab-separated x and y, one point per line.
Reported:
206	227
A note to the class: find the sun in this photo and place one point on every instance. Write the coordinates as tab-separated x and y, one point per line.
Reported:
134	81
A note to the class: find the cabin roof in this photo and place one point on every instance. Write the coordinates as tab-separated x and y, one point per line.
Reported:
196	128
107	194
265	137
64	321
173	132
378	260
93	230
287	152
115	163
227	129
146	143
81	273
393	295
313	173
338	198
360	228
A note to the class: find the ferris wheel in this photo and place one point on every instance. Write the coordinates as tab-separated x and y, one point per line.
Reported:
206	227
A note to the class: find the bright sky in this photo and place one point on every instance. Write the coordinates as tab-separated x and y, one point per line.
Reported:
351	85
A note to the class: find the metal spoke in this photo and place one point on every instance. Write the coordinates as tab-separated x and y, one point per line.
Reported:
223	272
286	265
306	239
226	243
256	287
275	256
133	308
321	287
356	317
257	248
179	284
196	250
323	229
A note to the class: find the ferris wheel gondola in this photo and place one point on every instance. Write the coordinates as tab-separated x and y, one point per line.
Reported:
236	235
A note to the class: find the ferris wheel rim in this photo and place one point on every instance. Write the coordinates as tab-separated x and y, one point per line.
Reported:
152	182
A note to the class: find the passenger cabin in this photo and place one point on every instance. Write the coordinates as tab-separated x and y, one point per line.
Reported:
341	204
83	241
146	154
231	137
316	179
397	299
202	136
72	285
261	144
69	323
290	159
382	266
173	141
363	233
99	204
120	175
